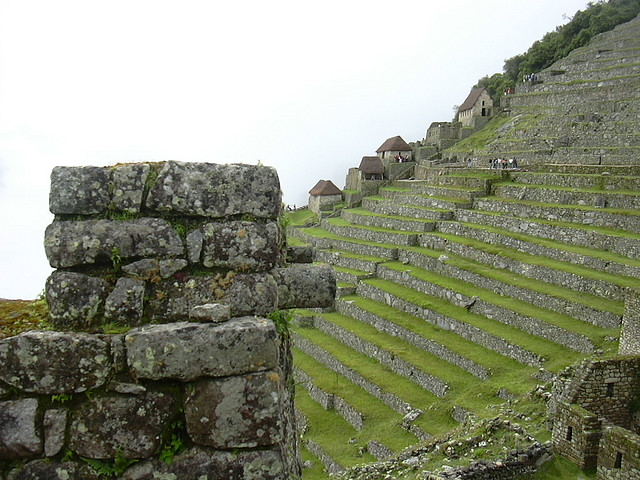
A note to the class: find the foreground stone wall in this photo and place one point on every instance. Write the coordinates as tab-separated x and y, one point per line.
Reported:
166	365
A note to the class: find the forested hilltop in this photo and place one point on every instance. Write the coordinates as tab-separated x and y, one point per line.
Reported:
599	17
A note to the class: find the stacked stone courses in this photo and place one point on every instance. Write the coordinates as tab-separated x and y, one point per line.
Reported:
187	261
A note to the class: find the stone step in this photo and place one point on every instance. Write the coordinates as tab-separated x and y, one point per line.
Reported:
467	178
569	196
482	306
332	363
329	401
427	201
340	227
350	276
351	308
456	193
396	364
439	263
627	220
321	240
619	170
392	222
454	241
465	330
348	260
574	180
576	94
558	240
387	206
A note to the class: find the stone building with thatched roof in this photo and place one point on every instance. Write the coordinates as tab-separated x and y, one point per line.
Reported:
323	196
477	104
371	168
393	149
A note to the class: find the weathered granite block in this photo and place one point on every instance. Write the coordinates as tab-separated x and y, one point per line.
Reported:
113	425
153	269
128	186
199	463
54	362
242	246
246	294
211	190
126	302
79	190
51	470
306	286
55	425
235	412
19	437
72	243
75	299
211	312
186	351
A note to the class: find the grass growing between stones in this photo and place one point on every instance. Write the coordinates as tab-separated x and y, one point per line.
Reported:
527	258
331	432
605	255
595	334
508	277
381	423
368	213
551	352
384	378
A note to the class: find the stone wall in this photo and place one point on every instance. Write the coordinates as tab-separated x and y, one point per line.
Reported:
164	364
630	339
595	416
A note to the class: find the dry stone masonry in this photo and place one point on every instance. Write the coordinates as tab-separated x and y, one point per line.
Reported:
185	261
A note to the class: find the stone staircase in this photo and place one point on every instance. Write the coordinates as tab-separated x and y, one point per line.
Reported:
467	277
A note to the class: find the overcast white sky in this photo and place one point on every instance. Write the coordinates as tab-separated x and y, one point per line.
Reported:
307	87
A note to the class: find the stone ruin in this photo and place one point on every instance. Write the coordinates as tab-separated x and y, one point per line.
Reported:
170	358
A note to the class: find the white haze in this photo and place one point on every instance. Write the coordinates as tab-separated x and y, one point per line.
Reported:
307	87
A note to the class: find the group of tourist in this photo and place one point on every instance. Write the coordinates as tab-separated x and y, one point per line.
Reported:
531	77
502	163
402	159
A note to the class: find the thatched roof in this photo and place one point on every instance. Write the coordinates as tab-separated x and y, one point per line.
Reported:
471	99
371	166
394	144
324	188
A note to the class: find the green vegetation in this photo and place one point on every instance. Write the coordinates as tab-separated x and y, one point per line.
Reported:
597	18
17	316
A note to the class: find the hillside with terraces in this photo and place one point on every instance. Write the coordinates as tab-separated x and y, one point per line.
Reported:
464	291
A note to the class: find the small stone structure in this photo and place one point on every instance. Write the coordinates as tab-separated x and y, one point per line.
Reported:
186	260
596	408
477	106
324	196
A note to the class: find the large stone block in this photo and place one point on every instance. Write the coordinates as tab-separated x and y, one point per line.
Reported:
79	190
75	299
211	190
19	437
236	412
186	351
204	464
128	187
54	362
71	243
130	426
125	303
242	246
52	470
306	286
246	294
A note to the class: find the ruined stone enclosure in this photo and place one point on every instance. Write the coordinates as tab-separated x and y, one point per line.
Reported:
170	357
